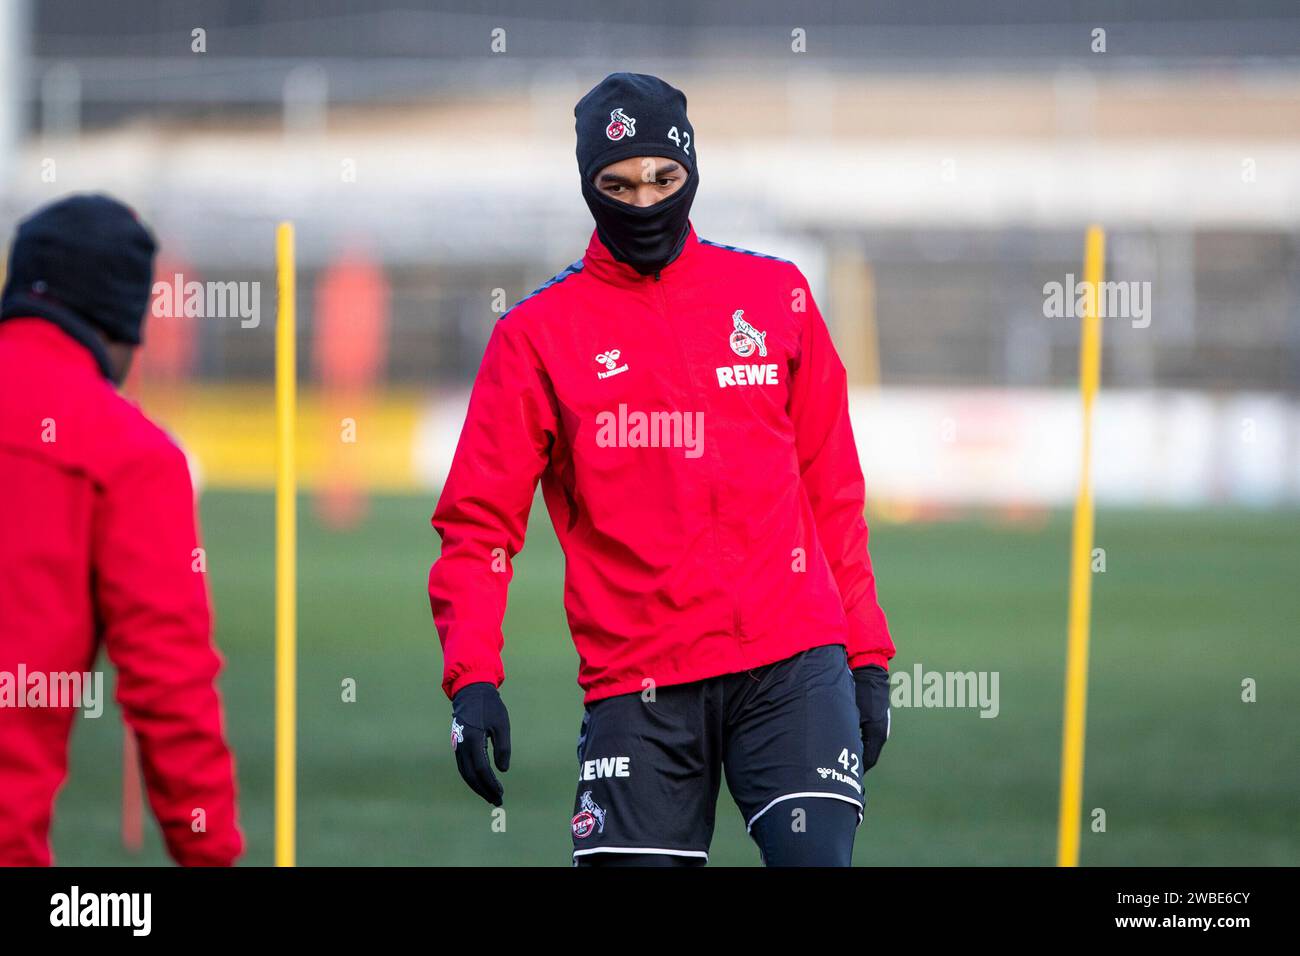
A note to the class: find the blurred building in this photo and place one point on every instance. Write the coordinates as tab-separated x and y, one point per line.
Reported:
932	173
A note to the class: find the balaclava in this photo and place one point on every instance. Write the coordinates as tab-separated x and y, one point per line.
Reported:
632	114
83	263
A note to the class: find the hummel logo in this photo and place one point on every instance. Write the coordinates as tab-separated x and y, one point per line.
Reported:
610	361
833	774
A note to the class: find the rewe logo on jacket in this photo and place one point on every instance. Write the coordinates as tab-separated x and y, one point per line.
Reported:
745	340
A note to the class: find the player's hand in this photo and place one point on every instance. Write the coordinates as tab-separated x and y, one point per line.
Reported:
872	686
477	714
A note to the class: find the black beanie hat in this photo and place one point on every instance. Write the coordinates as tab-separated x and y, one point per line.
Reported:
632	114
86	259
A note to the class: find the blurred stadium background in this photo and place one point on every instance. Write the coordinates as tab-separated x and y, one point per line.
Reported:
931	171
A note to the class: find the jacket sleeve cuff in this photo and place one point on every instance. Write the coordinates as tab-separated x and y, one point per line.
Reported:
869	641
863	658
208	853
452	684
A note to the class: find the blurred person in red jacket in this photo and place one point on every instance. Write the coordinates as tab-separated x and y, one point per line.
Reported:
685	411
98	542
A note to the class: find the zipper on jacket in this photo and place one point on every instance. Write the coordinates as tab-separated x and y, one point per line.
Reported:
713	487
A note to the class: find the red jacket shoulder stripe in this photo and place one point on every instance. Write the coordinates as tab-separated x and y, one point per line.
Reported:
570	270
744	252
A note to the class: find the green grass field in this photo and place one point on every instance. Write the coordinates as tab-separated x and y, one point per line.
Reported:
1190	605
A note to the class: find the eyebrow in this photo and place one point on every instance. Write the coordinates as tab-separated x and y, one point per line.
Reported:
615	178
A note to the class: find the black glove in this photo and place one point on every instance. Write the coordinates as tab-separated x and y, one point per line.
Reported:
478	713
872	686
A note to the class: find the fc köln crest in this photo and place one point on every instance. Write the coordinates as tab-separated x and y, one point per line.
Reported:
620	125
745	338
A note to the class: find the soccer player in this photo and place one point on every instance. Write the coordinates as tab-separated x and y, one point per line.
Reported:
686	413
98	541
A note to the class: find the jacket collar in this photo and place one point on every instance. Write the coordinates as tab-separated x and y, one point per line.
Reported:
56	338
600	262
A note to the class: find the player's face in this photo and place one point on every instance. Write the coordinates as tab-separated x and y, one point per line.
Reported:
641	180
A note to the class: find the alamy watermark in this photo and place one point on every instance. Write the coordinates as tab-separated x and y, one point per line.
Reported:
1115	300
636	429
55	690
75	908
209	300
945	689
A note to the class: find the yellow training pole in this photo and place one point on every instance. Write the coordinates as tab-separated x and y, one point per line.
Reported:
286	533
1076	661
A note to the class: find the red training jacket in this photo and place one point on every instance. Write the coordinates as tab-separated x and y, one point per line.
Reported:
97	539
691	434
